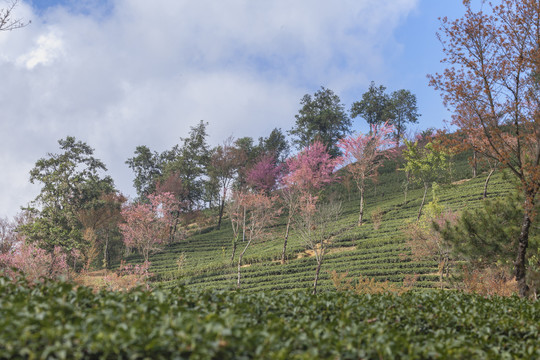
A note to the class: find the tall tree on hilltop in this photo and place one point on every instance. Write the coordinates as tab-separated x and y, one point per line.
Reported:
322	117
494	74
71	181
147	167
224	164
190	161
172	184
374	106
377	107
403	110
275	144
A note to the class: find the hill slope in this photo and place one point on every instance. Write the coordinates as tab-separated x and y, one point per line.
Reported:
380	254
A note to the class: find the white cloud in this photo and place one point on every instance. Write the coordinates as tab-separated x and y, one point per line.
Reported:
148	70
48	48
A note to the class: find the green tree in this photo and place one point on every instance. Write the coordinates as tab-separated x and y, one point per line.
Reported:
147	166
71	182
275	144
425	165
403	110
481	235
375	106
190	161
322	117
225	163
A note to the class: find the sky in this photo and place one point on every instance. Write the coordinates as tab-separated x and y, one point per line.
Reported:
121	73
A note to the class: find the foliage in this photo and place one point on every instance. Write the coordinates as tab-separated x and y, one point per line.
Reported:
374	106
426	241
489	281
147	227
310	169
100	227
275	144
364	154
377	217
34	263
492	84
377	108
71	182
128	276
147	167
59	320
305	175
323	118
265	174
425	164
365	285
225	163
487	236
403	110
190	161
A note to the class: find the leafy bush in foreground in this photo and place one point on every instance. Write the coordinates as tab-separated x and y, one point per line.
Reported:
59	320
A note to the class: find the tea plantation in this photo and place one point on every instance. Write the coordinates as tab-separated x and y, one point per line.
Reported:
192	312
62	321
381	254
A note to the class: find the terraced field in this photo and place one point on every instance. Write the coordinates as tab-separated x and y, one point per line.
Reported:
381	254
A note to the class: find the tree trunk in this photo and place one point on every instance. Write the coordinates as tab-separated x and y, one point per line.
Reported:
244	226
475	165
105	250
487	181
235	241
407	177
319	263
174	227
240	263
220	216
286	238
523	242
423	201
361	206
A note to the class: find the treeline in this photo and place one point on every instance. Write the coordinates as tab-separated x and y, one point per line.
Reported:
79	210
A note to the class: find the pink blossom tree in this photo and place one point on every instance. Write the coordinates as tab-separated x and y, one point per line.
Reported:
147	226
306	174
264	174
34	262
364	154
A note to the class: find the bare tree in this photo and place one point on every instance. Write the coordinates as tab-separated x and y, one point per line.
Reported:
7	21
312	224
7	235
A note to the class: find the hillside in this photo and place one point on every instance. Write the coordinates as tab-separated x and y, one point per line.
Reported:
380	254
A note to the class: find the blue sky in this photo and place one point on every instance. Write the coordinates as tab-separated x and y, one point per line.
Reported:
122	73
